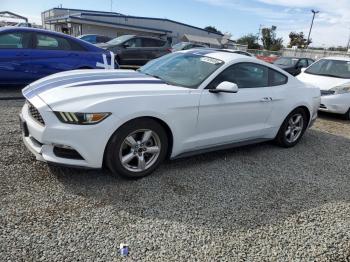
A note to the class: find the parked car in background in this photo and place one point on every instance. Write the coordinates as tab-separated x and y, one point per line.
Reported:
185	46
95	39
27	54
24	25
267	58
332	76
181	104
293	65
136	50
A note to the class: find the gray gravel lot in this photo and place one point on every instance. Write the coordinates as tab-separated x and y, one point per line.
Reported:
256	203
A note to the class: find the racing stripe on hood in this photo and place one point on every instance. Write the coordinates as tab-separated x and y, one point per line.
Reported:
145	81
75	80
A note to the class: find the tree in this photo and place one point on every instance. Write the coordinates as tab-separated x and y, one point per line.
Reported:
212	29
270	42
298	39
250	40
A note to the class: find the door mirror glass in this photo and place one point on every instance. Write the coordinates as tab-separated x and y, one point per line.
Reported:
225	87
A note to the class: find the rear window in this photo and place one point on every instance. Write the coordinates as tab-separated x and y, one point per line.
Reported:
50	42
277	78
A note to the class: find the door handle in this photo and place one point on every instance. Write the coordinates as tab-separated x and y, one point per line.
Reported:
266	99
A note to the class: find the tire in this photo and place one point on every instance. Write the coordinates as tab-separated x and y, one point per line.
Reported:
347	115
296	129
142	153
117	60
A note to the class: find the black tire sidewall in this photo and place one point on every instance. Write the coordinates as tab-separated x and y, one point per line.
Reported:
281	138
112	152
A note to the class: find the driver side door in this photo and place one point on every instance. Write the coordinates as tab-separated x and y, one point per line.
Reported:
235	117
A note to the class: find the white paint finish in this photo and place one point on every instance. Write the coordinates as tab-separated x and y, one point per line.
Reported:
196	117
337	103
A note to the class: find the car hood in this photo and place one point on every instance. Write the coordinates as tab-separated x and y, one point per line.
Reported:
92	86
323	82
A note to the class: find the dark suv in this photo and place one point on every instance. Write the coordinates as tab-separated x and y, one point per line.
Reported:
136	50
293	65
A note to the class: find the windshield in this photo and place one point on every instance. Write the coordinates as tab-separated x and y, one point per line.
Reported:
182	69
286	61
119	40
332	68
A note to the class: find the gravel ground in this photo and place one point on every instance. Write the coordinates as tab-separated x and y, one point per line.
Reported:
256	203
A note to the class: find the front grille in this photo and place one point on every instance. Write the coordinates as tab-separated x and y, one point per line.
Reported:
327	92
35	113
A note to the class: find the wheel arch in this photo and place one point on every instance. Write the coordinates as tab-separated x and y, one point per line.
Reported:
166	127
307	111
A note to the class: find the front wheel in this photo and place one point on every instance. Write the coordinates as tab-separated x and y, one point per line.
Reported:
347	115
137	148
292	128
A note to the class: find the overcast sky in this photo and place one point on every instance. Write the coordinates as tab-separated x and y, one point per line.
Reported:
238	17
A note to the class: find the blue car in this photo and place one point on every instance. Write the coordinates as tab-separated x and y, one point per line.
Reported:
27	54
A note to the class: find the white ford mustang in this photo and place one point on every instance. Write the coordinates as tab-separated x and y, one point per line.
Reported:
178	105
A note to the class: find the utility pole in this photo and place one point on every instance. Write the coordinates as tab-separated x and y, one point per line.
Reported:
312	23
111	5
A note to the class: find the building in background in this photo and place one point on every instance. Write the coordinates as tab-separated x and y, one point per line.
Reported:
77	22
8	18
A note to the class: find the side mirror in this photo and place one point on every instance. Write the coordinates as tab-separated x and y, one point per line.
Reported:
225	87
303	69
126	45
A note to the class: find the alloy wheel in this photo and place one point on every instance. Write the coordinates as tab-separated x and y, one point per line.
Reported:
294	128
140	150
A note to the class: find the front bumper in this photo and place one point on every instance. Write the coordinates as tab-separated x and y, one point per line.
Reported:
42	140
338	104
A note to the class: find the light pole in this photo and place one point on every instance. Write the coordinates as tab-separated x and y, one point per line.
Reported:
312	23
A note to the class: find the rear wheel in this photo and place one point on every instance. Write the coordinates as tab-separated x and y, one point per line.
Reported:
292	128
137	148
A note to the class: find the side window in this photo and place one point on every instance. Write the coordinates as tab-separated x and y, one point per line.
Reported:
134	42
245	75
310	61
148	42
277	78
15	40
49	42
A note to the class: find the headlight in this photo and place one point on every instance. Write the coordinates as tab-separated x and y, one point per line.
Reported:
342	89
81	118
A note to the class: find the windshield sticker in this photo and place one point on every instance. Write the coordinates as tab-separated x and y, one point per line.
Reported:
210	60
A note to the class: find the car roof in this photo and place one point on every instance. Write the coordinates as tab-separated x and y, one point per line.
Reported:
32	29
340	58
220	54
